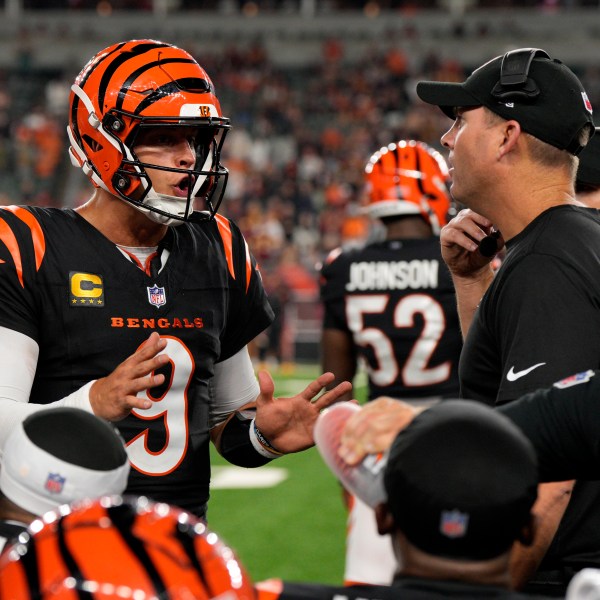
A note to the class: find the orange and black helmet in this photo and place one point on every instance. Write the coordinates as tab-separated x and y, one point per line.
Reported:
141	84
118	548
408	178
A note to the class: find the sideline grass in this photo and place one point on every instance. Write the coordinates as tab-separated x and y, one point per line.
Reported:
295	530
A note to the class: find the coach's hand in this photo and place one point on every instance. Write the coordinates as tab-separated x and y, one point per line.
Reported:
114	397
460	240
288	423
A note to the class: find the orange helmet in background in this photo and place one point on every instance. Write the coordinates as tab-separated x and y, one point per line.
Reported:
118	548
408	178
146	83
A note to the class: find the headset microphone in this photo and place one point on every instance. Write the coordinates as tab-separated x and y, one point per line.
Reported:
488	246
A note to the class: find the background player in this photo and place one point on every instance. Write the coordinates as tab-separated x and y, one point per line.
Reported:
135	306
391	306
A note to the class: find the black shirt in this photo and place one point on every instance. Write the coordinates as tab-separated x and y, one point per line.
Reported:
538	322
563	424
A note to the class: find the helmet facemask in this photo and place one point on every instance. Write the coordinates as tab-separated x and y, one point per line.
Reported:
205	183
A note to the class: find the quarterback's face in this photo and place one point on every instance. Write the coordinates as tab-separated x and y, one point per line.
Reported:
171	147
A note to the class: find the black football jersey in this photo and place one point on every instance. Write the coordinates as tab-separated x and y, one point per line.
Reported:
65	285
396	299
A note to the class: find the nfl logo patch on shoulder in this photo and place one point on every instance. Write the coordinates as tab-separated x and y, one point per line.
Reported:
156	295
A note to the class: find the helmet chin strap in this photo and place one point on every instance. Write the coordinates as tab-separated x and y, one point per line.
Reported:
171	204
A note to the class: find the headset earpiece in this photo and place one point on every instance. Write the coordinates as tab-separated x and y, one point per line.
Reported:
515	83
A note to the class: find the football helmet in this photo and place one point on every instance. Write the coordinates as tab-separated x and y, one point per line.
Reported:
121	548
141	84
408	178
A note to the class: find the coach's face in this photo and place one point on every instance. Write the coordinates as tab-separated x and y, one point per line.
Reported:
470	157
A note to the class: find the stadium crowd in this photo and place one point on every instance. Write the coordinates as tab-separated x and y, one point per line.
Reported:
296	152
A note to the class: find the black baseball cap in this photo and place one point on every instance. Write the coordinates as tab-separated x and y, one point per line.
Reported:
541	93
588	172
461	480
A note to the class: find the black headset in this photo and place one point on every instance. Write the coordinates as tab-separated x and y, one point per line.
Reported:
515	83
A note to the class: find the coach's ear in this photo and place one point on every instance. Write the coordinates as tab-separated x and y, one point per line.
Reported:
385	521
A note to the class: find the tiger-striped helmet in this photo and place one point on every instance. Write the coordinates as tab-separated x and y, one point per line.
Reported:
146	84
117	548
408	178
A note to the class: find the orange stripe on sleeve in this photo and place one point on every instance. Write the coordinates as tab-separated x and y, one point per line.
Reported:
10	241
248	266
37	235
225	231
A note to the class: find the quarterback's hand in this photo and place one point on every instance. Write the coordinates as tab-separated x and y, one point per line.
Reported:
373	428
460	244
113	397
288	423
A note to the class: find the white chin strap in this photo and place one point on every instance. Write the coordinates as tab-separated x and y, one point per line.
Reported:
174	205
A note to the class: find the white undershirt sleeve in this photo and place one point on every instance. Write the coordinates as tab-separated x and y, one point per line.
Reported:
234	384
18	359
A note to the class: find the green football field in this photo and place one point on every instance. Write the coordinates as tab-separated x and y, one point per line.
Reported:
292	528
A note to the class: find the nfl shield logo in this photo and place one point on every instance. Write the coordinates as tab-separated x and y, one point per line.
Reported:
156	295
453	523
576	379
54	483
586	102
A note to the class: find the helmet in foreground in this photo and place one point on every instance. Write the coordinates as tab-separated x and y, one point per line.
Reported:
118	548
141	84
408	178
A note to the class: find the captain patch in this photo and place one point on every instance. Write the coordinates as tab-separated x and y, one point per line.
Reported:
86	289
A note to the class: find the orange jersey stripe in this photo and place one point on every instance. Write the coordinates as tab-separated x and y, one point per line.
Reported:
37	235
225	231
10	241
248	266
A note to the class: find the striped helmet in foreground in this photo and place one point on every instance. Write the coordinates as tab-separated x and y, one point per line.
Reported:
118	548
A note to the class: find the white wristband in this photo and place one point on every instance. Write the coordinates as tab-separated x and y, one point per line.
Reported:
258	445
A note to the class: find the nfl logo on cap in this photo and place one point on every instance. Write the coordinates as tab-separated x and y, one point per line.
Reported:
156	295
453	523
55	483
